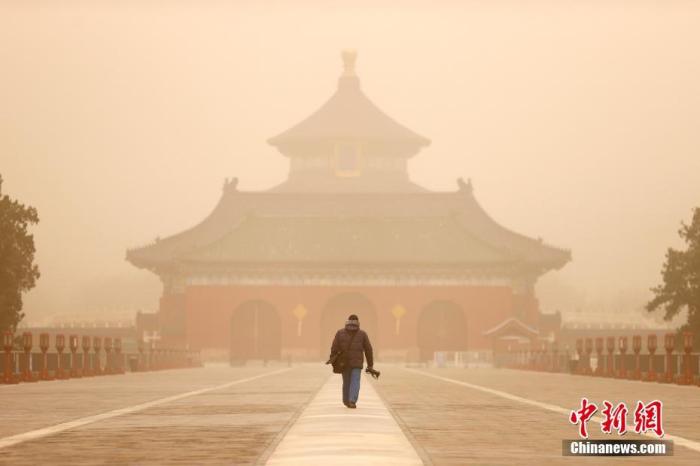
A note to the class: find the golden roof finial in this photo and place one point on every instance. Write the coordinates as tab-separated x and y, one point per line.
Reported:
349	57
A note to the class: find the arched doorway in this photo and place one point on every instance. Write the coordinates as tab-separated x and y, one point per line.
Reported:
255	332
441	327
336	312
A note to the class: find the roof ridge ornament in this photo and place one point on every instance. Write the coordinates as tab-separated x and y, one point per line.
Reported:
230	185
349	57
348	80
465	186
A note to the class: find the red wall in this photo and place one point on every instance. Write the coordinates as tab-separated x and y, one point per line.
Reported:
208	311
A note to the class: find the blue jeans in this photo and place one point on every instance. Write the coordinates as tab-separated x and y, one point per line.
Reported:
351	384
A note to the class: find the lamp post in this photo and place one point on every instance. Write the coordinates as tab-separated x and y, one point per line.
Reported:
60	346
96	346
44	343
27	343
651	347
73	345
669	344
622	344
599	355
637	348
85	345
7	344
610	365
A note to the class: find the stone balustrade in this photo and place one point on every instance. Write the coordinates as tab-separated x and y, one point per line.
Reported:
610	357
21	362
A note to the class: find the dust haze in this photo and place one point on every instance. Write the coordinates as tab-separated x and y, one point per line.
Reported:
577	122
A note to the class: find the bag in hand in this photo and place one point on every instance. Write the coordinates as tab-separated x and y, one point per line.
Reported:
338	361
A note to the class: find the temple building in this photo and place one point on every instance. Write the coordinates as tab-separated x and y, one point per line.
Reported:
273	274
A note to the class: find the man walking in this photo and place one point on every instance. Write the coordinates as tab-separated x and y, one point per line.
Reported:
353	342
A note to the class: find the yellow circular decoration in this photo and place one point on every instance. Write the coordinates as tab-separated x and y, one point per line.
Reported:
398	311
299	312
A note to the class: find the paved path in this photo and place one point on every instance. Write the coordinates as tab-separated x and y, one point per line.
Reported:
215	415
328	433
453	422
41	404
249	415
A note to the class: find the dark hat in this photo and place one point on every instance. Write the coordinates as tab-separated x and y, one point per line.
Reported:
353	317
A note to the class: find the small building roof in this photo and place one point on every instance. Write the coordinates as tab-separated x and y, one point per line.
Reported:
349	115
512	327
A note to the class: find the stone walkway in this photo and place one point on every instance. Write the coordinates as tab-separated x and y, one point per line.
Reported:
328	433
235	424
220	415
455	424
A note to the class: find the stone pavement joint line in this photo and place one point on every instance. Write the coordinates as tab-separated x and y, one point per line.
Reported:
682	441
328	433
55	429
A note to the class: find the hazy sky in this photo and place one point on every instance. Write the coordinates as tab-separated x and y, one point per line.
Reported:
578	121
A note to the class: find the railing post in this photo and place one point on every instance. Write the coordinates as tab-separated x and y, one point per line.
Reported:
687	377
151	357
142	360
44	343
542	366
96	346
579	351
599	355
85	345
155	359
588	347
7	343
669	344
27	343
610	365
651	347
73	346
109	369
118	363
637	348
622	371
60	346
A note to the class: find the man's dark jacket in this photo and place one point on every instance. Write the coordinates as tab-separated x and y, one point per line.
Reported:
360	345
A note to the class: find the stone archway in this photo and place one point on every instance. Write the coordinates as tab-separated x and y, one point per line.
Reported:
255	332
336	312
441	327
